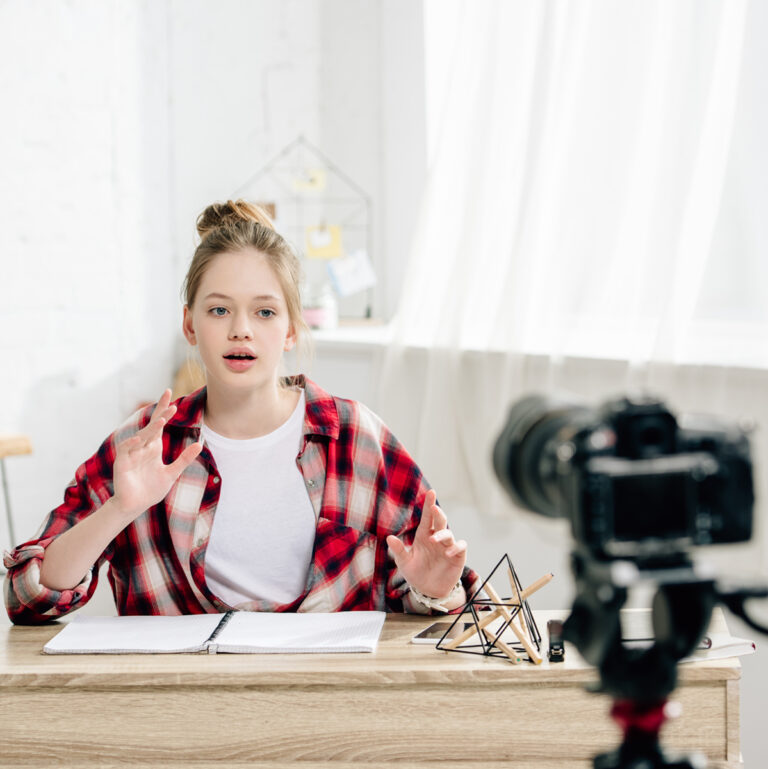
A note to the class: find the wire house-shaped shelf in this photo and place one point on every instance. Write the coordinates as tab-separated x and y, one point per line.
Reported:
307	193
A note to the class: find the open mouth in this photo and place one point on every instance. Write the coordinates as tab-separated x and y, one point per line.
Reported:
239	356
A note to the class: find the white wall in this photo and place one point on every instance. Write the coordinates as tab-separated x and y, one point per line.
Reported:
86	298
122	120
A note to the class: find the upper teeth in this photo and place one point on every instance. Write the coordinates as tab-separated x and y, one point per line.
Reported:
240	355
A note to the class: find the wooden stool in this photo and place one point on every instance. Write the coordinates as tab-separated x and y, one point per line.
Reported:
11	445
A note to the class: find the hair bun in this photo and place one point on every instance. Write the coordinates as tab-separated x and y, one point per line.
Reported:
231	213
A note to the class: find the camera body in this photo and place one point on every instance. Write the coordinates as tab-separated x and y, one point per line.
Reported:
635	483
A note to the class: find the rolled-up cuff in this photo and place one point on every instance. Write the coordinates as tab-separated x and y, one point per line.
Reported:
26	598
470	581
439	604
412	606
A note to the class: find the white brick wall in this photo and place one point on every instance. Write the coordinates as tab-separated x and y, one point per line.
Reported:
121	121
85	231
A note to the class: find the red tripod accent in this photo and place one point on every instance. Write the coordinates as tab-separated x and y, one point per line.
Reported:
639	720
641	724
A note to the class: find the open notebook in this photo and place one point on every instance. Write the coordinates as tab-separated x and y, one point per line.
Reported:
718	643
234	632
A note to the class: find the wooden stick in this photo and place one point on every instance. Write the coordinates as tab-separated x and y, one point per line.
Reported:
469	632
508	650
537	585
520	637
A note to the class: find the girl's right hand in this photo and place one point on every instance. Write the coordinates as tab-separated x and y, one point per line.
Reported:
141	478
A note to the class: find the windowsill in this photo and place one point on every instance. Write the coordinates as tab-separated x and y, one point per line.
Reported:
354	335
712	345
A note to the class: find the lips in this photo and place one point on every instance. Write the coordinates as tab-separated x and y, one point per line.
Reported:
240	359
240	353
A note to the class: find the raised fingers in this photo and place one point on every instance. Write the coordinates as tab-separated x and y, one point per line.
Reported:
443	537
451	547
396	547
129	445
150	432
435	515
439	521
457	549
185	459
163	410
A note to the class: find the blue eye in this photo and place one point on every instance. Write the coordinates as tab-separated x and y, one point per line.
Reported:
265	313
219	312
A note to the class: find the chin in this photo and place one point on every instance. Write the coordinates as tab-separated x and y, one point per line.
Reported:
247	380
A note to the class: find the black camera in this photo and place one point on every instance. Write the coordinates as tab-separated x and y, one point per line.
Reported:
635	482
640	487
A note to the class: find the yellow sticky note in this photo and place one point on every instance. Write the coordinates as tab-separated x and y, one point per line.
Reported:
324	242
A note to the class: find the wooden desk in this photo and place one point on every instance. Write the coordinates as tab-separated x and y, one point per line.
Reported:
406	704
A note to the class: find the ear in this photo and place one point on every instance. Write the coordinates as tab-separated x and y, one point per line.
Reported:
187	327
290	339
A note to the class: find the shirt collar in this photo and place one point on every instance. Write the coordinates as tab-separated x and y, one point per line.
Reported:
189	410
321	416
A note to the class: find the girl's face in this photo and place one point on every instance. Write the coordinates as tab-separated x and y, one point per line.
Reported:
240	321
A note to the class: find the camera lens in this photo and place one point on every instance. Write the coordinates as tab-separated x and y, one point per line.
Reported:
525	454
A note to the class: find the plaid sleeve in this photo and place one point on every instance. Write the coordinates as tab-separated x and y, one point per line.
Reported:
27	600
401	491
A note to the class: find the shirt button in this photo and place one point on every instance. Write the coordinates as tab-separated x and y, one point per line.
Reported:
216	479
310	483
200	542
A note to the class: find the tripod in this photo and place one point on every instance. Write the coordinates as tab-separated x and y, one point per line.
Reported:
640	680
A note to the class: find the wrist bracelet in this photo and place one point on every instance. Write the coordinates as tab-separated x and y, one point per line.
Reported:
436	603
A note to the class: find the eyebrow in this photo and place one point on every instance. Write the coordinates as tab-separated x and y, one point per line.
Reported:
260	297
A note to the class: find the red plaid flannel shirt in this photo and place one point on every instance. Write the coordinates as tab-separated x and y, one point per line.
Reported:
362	483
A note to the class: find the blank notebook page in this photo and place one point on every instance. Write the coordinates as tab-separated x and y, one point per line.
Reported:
134	634
354	631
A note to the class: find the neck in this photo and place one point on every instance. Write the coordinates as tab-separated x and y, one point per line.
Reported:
248	413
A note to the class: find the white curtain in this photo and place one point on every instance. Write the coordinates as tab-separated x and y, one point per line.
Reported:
567	239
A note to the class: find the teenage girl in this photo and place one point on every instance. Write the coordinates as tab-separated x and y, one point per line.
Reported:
257	492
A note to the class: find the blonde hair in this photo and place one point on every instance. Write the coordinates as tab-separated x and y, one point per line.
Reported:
237	225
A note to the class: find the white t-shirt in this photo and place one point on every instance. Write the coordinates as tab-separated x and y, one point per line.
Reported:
264	527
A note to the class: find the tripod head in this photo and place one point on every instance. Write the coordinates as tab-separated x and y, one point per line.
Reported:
681	612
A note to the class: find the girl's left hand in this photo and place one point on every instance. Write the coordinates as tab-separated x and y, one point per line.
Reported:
435	561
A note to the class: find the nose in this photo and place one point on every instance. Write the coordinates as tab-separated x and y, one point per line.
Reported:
239	328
